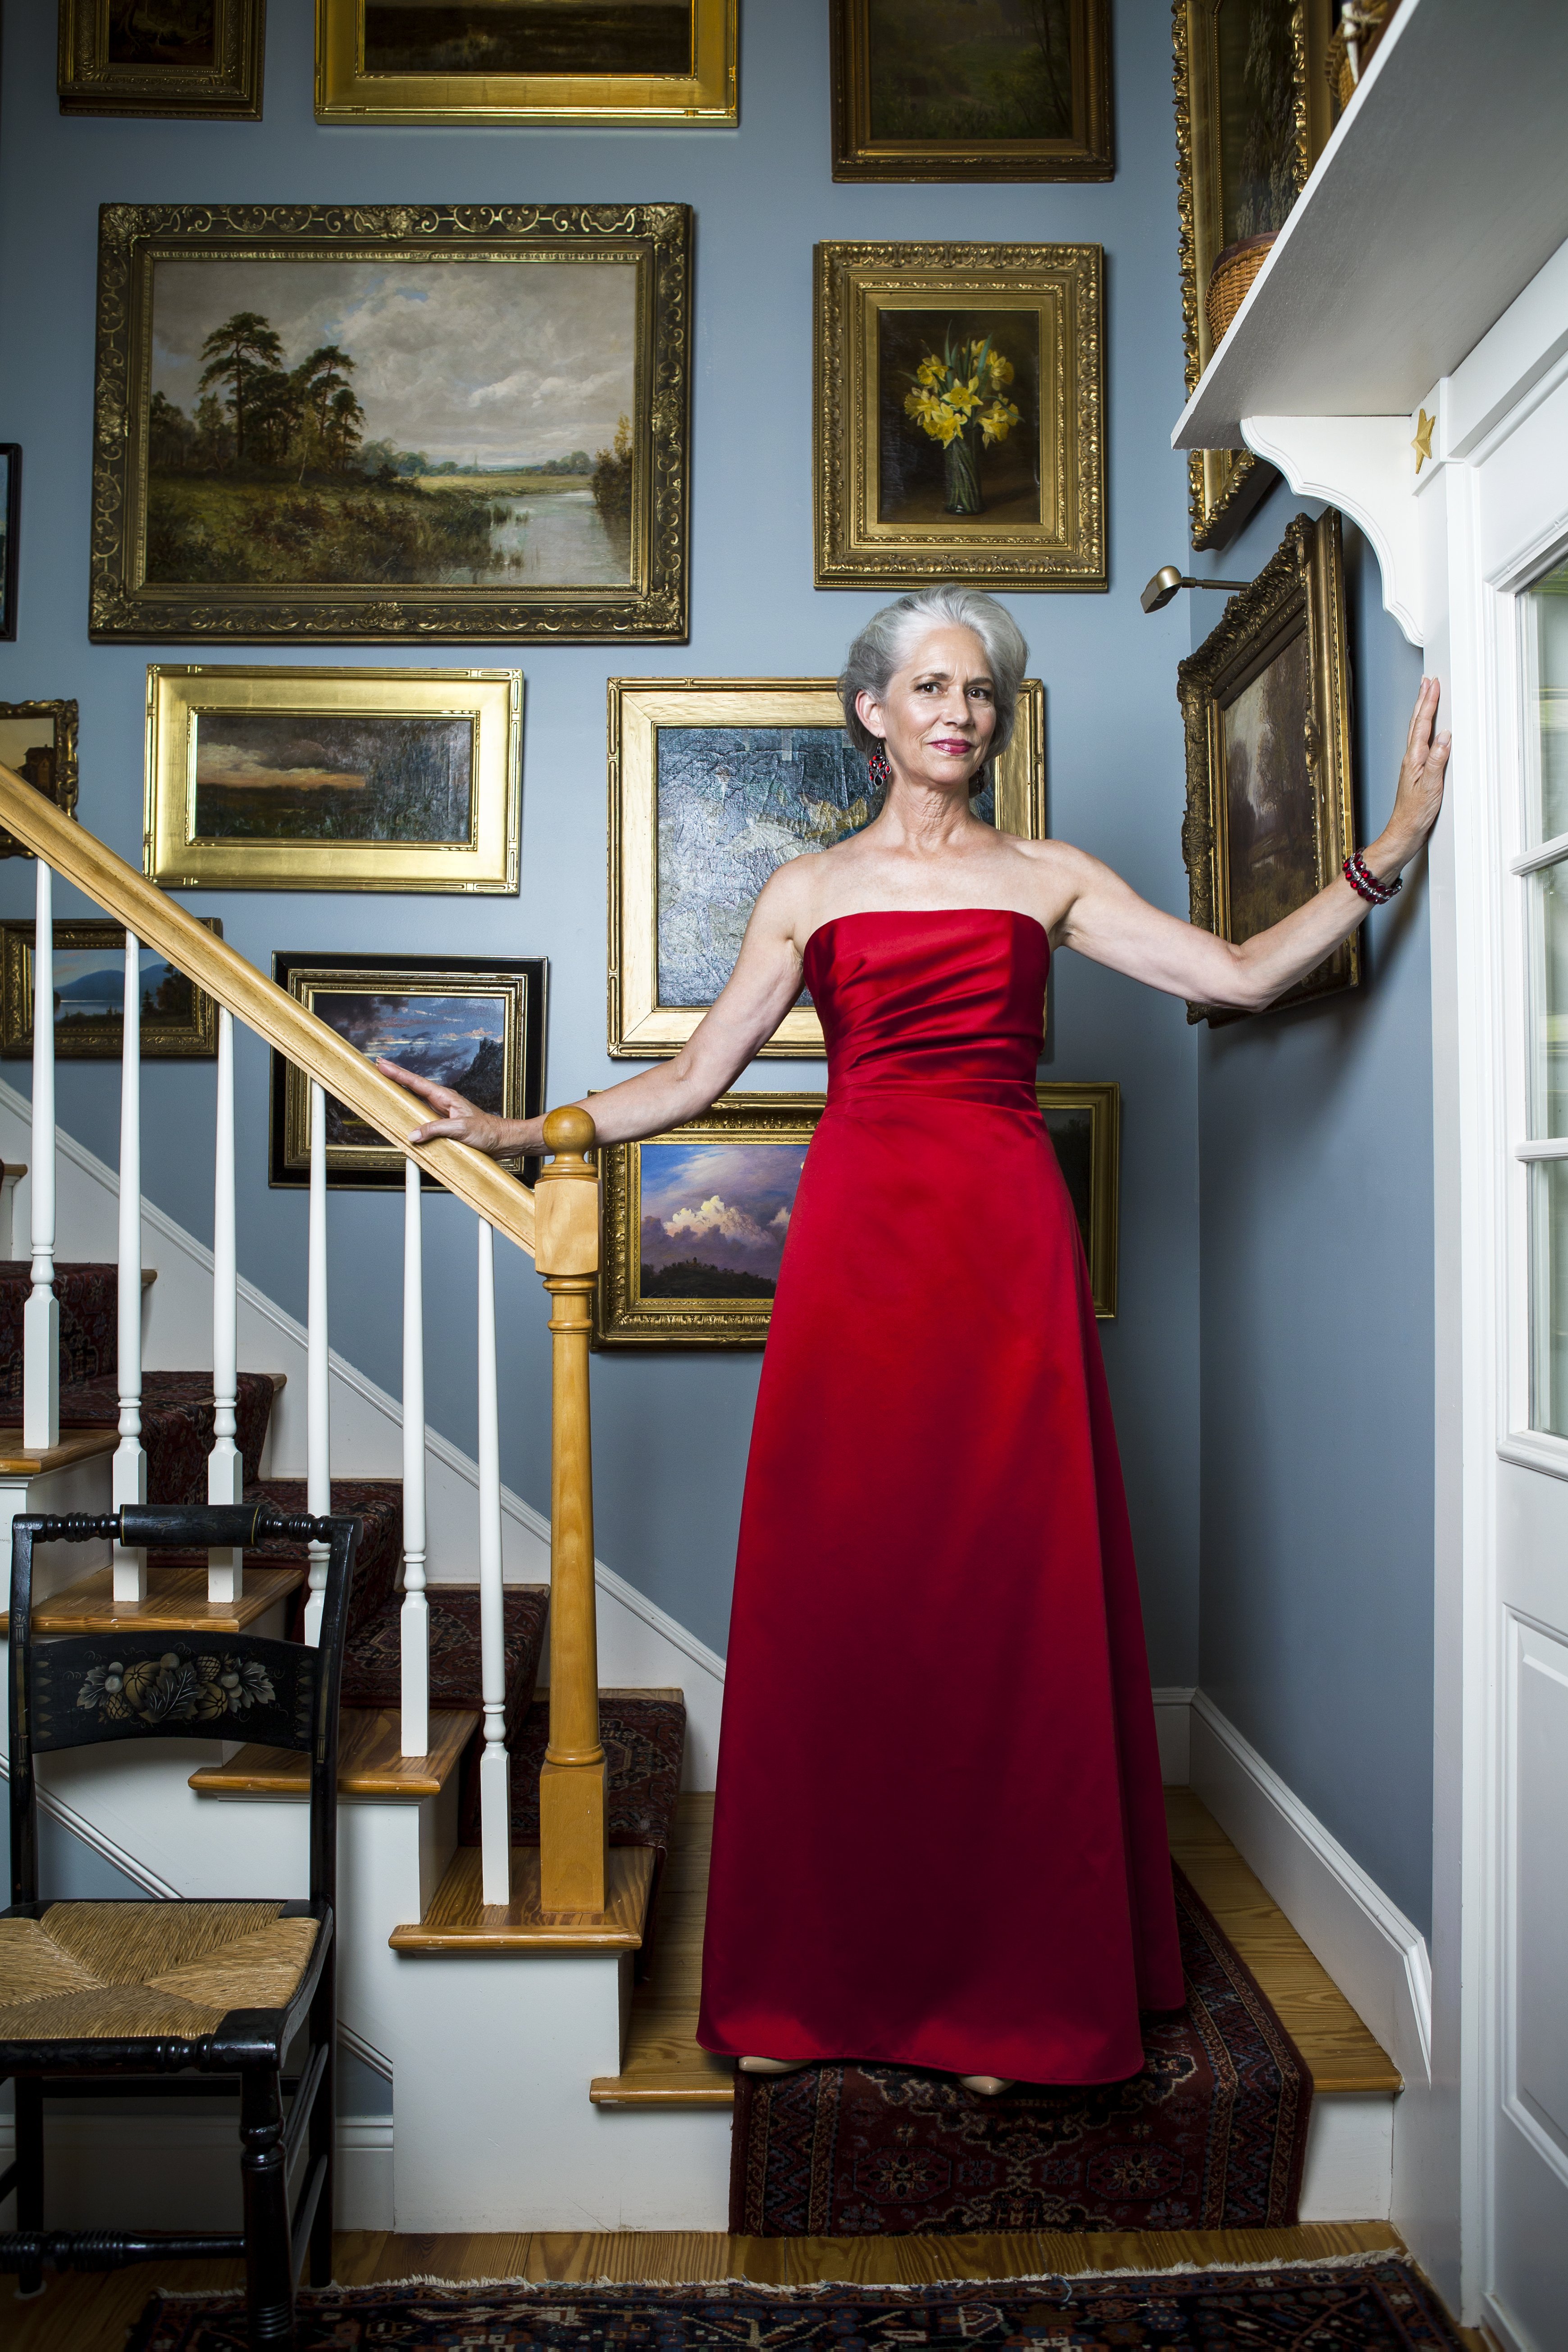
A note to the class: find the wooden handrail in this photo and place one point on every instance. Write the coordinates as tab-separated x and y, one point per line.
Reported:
160	922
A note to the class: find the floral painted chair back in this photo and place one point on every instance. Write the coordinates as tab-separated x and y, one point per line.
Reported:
78	1691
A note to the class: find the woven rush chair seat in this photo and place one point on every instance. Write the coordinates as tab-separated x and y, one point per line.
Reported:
121	1998
153	1971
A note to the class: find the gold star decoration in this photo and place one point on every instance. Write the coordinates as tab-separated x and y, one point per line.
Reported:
1422	444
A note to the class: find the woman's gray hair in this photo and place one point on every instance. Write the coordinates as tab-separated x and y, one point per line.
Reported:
888	638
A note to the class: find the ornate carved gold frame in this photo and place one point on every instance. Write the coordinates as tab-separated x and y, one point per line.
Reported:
162	1039
1225	485
230	87
1086	153
1299	591
1101	1098
1061	283
346	93
57	780
653	239
623	1318
640	1027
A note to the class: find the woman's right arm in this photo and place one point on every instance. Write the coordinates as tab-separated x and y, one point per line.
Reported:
755	999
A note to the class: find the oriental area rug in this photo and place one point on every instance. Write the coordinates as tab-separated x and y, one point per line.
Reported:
1210	2136
1373	2304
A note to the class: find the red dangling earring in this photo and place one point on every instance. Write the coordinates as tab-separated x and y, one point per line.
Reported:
879	768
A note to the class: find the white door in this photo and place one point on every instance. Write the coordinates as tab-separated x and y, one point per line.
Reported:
1518	561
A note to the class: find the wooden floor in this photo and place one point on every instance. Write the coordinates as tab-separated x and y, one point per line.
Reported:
93	2314
664	2066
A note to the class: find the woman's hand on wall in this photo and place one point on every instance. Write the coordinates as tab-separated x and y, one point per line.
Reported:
1420	795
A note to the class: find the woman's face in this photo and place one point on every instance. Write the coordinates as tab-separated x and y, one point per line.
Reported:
939	714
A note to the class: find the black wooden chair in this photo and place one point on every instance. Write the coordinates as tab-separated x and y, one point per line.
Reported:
135	1996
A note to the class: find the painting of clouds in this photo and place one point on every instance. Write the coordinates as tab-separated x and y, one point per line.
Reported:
445	421
714	1217
285	776
734	803
1270	793
458	1038
528	36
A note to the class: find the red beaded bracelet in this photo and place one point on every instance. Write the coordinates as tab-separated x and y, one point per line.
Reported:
1365	884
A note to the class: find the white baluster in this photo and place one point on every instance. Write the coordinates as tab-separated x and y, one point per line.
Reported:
494	1764
415	1624
41	1316
130	1461
318	1405
226	1470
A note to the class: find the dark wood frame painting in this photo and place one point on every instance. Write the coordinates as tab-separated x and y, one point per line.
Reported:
1081	147
1083	1119
183	1030
1277	669
219	76
368	1162
280	493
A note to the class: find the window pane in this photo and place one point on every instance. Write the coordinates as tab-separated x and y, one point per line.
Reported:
1549	991
1549	1295
1546	702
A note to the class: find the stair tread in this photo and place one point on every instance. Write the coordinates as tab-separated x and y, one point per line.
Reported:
370	1762
664	2067
176	1602
459	1921
19	1461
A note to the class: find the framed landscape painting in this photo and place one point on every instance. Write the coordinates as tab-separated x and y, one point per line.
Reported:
998	89
1083	1119
958	421
38	743
263	779
10	519
714	783
178	1021
391	421
474	1023
162	57
694	1225
633	65
1266	700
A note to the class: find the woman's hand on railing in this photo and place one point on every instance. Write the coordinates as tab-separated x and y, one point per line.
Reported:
463	1121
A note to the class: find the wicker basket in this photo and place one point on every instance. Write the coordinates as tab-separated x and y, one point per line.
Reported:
1339	65
1233	272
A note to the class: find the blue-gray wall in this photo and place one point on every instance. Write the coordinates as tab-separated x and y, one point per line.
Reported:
1315	1158
670	1434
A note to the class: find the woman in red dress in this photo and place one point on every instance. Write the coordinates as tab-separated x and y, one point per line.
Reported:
938	1839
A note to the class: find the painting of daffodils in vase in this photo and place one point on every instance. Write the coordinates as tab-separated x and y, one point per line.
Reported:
959	415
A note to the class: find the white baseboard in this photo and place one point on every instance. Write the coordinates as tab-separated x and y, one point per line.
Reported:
146	2171
639	1644
1172	1729
1375	1955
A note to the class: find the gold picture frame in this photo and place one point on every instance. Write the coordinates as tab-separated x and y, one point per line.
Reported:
654	954
38	743
1083	1119
1272	680
178	1023
1083	150
726	1144
105	68
1030	316
353	85
239	496
233	751
1225	485
447	1002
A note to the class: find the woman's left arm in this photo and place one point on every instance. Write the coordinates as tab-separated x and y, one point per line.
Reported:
1110	924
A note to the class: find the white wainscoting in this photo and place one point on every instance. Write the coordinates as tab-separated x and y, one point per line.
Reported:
639	1644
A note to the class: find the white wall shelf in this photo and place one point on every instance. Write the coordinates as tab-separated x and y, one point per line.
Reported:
1442	193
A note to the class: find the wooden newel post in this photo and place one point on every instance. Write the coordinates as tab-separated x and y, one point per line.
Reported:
574	1855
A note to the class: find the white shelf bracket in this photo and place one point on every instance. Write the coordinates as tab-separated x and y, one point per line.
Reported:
1366	466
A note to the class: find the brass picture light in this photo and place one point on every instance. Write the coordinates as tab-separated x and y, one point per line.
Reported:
1167	579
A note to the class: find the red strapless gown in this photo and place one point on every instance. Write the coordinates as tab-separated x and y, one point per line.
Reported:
938	1839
